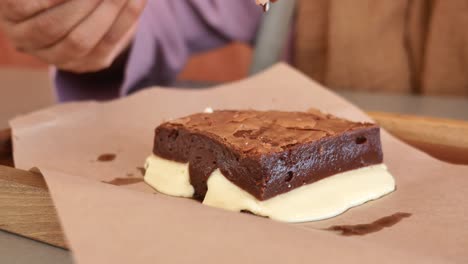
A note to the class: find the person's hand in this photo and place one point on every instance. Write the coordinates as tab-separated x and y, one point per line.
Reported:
74	35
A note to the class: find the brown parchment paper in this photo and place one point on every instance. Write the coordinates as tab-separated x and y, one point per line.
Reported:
134	224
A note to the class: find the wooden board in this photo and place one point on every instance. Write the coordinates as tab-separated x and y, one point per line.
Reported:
27	209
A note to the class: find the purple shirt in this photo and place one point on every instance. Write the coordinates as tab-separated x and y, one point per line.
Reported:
169	32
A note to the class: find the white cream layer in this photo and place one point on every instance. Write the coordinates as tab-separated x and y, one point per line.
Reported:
168	177
320	200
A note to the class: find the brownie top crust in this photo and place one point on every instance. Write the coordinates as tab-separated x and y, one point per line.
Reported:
265	131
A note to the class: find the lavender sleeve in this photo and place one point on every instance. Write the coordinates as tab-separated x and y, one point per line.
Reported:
168	33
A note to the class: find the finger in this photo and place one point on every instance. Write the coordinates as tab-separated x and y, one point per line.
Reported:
114	42
105	59
50	26
20	10
81	40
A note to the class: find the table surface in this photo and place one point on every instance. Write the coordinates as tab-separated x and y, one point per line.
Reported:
16	249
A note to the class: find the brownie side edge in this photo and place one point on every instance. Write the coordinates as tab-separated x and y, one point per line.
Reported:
314	161
205	154
265	176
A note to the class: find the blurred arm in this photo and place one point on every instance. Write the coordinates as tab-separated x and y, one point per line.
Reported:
168	33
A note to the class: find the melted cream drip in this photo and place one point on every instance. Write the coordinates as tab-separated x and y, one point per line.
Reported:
317	201
320	200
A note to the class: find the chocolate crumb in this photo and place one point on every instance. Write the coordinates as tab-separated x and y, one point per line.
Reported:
364	229
107	157
124	181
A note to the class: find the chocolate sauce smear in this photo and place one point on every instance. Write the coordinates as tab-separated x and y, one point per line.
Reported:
6	148
376	226
142	170
124	181
107	157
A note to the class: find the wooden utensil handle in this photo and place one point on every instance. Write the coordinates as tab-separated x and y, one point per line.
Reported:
445	139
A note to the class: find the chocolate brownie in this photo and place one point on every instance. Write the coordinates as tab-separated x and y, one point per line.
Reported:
267	153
